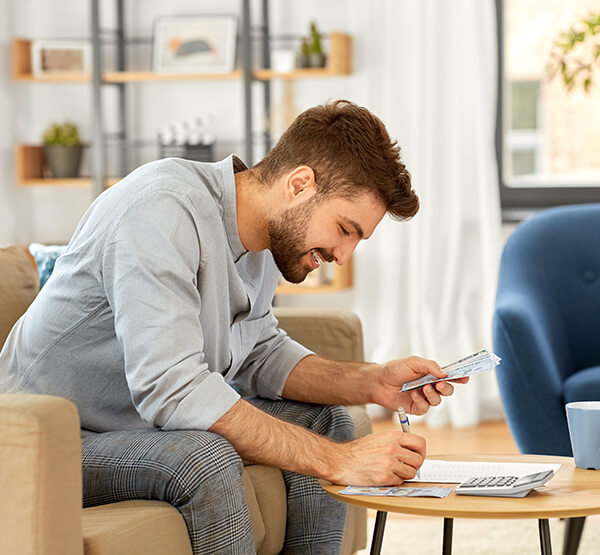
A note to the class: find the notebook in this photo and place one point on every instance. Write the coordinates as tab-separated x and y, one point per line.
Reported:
455	472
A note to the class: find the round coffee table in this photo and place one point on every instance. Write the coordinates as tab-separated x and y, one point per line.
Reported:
572	493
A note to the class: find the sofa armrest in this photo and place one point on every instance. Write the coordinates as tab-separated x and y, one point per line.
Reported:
40	475
19	284
331	333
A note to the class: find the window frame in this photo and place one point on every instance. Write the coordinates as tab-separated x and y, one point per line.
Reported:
518	202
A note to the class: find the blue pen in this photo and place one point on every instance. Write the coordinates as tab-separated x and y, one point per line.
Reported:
405	424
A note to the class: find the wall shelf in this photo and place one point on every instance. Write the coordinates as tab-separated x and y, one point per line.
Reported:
339	63
29	164
29	158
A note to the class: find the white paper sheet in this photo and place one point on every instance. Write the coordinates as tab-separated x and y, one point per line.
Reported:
455	472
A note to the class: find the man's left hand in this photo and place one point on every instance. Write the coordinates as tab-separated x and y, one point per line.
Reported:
396	373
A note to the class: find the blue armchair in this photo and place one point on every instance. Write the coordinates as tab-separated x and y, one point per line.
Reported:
547	324
546	328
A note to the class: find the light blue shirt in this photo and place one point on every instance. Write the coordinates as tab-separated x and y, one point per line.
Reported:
156	315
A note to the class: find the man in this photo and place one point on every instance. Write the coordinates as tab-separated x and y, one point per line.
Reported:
158	317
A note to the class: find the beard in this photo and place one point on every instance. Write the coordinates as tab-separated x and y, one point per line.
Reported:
287	236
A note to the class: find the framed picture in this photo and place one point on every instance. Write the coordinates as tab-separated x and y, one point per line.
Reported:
60	56
194	44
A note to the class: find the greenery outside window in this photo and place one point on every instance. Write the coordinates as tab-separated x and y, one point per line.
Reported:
547	133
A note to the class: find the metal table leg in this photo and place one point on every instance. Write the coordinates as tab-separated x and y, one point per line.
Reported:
545	540
447	541
573	530
378	532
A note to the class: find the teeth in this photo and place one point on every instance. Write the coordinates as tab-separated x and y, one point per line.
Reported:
315	257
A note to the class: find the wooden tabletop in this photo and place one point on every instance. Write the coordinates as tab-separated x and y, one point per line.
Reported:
572	492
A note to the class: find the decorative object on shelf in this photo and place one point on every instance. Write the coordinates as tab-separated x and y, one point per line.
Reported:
50	57
62	149
194	44
311	49
576	53
283	60
190	139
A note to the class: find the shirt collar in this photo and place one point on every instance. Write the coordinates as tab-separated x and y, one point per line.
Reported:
230	166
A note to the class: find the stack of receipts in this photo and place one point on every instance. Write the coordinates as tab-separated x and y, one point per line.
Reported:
396	491
482	361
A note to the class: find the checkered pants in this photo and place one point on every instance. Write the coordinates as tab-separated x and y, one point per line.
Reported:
199	473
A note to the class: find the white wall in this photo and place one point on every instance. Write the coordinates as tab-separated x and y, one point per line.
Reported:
50	214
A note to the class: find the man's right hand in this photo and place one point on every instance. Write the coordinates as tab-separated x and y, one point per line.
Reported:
381	459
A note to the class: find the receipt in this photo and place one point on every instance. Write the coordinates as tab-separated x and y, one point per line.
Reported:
483	361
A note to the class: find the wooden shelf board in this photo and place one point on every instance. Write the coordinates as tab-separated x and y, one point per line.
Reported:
135	76
149	76
54	78
77	182
266	74
302	289
53	182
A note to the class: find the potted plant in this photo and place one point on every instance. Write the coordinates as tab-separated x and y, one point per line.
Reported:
311	49
317	57
63	149
304	54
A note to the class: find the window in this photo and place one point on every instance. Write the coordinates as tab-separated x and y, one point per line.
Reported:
547	137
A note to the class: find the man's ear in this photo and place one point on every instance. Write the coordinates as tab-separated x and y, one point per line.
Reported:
300	183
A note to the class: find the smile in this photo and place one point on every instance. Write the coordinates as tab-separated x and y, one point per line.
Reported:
316	259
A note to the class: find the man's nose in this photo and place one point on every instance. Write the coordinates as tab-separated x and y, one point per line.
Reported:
342	253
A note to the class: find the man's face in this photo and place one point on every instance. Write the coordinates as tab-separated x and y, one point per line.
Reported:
303	236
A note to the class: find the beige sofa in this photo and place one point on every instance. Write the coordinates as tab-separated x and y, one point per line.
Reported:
40	474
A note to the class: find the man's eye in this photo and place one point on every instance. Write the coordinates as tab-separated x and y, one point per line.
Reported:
344	230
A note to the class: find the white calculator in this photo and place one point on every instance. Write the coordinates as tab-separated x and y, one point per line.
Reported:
503	486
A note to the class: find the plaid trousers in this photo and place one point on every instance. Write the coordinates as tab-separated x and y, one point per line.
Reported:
200	474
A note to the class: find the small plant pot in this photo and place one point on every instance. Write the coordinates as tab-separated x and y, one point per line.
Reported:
63	161
303	60
317	60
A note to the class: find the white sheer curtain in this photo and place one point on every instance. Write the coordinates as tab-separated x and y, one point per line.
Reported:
427	287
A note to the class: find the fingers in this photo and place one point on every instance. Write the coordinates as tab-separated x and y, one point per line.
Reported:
384	458
412	447
443	388
431	367
422	366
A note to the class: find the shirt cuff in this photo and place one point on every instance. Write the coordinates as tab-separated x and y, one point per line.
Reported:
207	402
271	378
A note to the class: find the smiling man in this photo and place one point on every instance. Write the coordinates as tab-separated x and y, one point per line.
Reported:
157	324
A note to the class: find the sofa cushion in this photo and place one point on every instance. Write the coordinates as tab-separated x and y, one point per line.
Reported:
135	528
270	492
45	257
19	284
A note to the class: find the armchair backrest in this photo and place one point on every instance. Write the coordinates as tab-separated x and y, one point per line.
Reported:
555	257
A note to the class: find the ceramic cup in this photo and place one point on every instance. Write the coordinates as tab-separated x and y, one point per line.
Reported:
584	428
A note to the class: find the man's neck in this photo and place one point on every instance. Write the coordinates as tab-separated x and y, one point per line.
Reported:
251	210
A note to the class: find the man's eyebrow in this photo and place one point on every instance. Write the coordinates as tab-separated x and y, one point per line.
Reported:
355	225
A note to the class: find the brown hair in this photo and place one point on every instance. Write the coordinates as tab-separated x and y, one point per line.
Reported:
350	151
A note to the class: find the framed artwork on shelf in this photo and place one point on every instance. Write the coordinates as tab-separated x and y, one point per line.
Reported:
50	56
194	44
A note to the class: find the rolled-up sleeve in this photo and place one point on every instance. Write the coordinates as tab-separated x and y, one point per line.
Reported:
149	273
273	357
